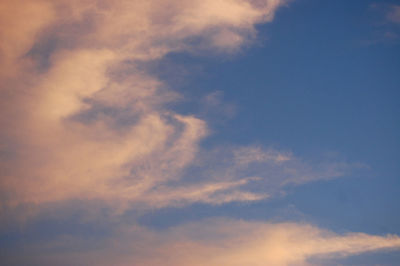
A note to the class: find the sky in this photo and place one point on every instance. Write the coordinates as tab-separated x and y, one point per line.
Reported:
202	132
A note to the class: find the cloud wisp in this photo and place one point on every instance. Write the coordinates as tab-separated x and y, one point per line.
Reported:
209	242
394	14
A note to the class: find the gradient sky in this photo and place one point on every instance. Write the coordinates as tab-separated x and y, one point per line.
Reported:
201	132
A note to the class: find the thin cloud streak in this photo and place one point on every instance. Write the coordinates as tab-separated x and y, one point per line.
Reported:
209	242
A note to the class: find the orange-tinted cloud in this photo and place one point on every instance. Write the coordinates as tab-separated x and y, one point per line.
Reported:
21	23
83	121
210	242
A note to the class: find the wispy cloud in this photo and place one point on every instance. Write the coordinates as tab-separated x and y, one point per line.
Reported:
82	121
393	14
387	23
209	242
92	124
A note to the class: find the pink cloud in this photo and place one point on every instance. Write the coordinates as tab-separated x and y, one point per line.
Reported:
93	126
66	157
209	242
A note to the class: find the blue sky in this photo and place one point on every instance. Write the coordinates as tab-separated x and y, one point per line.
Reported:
320	85
163	133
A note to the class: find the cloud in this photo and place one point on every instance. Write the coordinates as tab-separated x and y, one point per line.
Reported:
394	14
91	124
18	36
212	105
209	242
386	24
82	120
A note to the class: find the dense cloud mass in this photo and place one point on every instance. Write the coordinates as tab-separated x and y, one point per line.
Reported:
83	121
